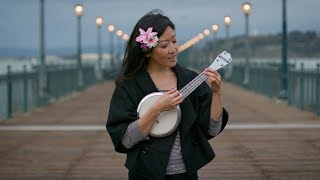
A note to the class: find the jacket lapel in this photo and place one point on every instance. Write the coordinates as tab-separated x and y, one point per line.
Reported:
145	82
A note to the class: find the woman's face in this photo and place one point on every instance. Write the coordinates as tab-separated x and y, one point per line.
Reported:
164	55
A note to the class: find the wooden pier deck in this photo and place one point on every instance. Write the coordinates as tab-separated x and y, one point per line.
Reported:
264	139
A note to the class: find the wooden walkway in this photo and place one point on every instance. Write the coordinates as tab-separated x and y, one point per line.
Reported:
264	139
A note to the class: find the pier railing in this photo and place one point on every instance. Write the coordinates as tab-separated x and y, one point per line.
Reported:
19	91
303	84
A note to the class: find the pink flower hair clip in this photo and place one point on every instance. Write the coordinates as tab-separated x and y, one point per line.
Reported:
147	39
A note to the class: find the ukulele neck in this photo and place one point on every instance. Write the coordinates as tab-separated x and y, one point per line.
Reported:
192	85
221	60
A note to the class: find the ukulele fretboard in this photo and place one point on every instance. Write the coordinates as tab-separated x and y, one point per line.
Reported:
221	60
192	85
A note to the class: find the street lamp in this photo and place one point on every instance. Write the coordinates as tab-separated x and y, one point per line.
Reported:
125	37
78	10
200	36
119	34
246	8
284	76
215	29
99	23
227	22
206	32
42	57
111	29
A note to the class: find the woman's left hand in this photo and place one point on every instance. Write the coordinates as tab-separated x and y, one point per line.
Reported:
214	79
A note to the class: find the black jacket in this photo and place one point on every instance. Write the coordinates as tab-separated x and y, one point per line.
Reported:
149	158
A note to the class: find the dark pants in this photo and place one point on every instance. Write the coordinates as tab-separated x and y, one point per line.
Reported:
182	176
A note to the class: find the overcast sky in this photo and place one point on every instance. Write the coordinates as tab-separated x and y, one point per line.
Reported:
19	19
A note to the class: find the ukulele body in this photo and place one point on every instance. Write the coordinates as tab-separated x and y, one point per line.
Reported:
167	122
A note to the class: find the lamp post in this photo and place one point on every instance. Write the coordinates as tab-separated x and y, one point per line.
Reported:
205	58
215	29
206	33
42	68
200	36
246	8
111	29
227	22
198	63
99	23
119	34
284	68
125	37
78	9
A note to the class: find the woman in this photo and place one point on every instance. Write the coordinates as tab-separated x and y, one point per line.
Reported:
150	65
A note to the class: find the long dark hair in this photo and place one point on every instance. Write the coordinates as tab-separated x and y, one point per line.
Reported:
134	59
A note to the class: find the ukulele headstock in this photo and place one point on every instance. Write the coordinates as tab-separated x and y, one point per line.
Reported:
221	60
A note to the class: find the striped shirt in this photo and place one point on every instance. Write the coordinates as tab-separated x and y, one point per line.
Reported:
175	165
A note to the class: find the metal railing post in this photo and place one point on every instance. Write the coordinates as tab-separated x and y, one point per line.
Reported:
318	89
302	87
9	92
25	89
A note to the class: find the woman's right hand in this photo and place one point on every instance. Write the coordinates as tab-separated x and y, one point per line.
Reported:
169	100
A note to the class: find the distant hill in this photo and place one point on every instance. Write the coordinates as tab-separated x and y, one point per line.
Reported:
300	44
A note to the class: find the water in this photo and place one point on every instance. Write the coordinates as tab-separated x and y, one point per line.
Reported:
16	64
308	63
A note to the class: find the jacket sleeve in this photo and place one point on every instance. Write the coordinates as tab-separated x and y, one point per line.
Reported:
122	112
204	104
